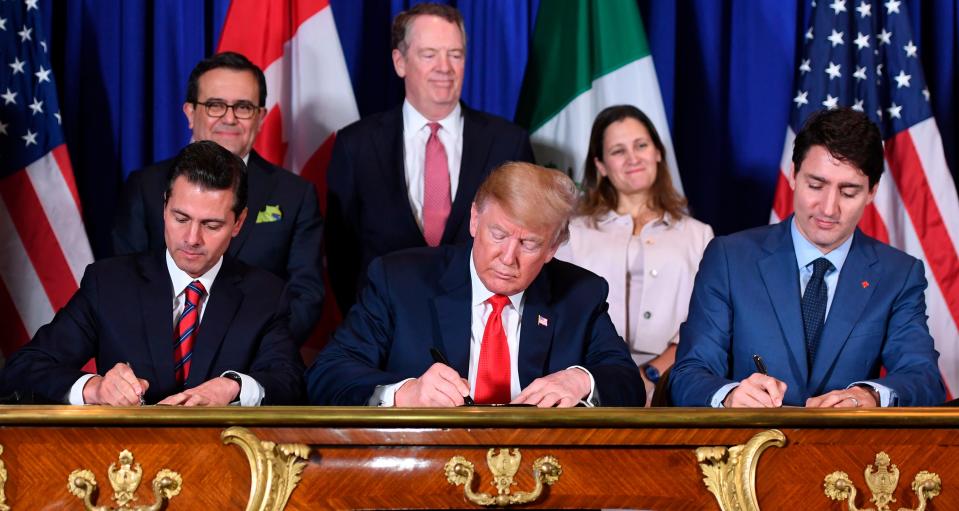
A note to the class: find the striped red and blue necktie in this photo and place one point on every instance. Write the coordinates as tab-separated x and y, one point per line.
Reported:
186	329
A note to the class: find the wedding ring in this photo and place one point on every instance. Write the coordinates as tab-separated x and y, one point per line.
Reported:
854	400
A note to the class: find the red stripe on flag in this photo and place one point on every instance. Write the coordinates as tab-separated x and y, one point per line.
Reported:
873	225
315	169
276	22
783	200
15	333
62	157
926	219
37	236
269	143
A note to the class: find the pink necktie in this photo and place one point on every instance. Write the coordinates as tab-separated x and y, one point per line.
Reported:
436	188
493	371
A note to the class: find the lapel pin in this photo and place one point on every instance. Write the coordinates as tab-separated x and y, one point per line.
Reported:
865	284
541	321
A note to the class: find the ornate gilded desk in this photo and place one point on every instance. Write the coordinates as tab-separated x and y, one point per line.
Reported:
63	457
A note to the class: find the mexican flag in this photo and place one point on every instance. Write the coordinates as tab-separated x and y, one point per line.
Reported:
587	55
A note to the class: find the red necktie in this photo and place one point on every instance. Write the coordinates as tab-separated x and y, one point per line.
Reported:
493	372
186	329
436	188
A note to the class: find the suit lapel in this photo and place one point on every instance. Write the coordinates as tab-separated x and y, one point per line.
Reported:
453	309
391	166
476	146
221	307
260	183
156	305
780	275
848	303
536	338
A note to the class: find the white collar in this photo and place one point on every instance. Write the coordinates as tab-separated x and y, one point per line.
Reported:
182	279
414	121
480	294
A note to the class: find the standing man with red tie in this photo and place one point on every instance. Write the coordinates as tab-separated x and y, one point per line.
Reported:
405	177
185	325
509	323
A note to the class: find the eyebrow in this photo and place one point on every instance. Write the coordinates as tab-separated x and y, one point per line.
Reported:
823	180
203	221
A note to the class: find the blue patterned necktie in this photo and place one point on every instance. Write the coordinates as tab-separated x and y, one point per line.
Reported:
814	306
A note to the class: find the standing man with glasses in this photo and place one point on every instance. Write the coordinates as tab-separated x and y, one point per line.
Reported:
224	103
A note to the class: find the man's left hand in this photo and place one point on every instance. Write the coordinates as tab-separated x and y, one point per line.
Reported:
563	389
216	392
854	397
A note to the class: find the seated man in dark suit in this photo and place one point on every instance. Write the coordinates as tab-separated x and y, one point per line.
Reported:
185	325
224	103
511	324
405	178
825	306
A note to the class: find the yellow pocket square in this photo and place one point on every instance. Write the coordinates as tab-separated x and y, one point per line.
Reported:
269	214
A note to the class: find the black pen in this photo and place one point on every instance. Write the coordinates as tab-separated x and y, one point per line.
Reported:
760	366
440	359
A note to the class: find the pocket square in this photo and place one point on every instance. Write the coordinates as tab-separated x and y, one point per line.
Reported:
269	214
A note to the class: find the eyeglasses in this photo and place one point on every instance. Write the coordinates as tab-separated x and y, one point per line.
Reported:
241	109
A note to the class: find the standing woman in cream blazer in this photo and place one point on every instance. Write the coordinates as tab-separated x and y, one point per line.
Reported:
633	230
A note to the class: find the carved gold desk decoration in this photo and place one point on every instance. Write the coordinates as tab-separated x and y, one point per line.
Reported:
882	479
3	485
275	468
503	466
730	474
125	479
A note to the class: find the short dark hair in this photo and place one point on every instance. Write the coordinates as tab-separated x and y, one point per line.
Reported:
404	20
229	60
600	194
209	165
848	135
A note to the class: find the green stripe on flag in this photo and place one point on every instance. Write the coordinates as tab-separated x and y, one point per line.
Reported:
575	42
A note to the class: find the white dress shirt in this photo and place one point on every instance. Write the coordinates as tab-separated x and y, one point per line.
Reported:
251	392
416	132
479	314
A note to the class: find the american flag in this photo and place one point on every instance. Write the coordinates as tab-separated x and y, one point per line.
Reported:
309	94
861	54
43	244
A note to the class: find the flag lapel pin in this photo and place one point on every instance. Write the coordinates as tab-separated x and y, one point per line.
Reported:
541	321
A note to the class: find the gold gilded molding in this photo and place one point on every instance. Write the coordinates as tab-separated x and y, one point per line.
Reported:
503	466
274	468
882	478
125	478
3	484
730	473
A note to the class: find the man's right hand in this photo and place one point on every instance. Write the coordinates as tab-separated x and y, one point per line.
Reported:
440	385
118	387
757	391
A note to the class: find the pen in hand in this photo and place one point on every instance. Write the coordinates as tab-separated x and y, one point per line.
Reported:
760	365
440	359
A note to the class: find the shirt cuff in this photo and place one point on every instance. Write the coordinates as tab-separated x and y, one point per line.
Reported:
591	399
887	396
720	395
251	392
385	395
75	397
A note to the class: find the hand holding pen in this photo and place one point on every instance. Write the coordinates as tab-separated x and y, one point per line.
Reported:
759	390
440	385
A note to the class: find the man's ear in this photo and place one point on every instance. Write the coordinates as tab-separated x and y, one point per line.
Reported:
239	223
474	219
791	176
188	110
399	63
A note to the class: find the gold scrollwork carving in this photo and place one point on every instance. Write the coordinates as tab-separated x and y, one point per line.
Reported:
730	473
503	466
882	478
125	476
3	484
275	468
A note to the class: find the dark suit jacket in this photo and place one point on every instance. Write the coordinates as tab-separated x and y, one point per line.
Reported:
368	207
123	312
420	298
289	247
746	300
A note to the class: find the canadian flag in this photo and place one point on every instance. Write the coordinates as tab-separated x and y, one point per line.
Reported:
309	94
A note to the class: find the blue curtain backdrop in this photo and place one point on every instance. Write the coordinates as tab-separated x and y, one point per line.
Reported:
726	69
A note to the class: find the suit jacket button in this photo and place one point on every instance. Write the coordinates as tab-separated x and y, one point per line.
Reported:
654	273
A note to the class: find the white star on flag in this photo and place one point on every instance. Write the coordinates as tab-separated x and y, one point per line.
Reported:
57	115
9	97
925	93
804	66
809	33
884	37
902	79
835	38
17	65
894	111
800	98
862	41
864	9
858	105
838	6
830	102
3	23
36	106
833	71
910	49
860	73
30	138
25	34
3	128
31	4
43	75
892	6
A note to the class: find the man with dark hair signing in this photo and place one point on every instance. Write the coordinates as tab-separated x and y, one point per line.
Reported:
225	99
499	320
808	311
185	325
